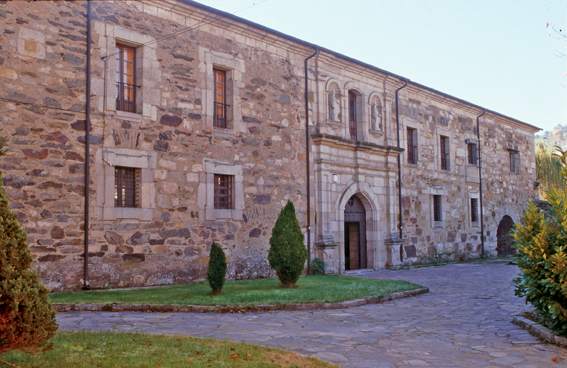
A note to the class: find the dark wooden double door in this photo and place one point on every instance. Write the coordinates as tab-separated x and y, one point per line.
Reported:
355	235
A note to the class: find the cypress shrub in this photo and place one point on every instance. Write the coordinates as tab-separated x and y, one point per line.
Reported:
287	253
217	269
541	241
27	320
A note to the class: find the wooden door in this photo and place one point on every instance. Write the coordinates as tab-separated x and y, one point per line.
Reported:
352	245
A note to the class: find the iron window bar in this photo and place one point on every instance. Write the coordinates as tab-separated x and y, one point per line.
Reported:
220	117
126	98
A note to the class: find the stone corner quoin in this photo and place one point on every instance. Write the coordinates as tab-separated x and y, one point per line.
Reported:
206	142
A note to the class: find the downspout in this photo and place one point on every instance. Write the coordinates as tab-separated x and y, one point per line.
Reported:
307	158
480	184
87	150
399	159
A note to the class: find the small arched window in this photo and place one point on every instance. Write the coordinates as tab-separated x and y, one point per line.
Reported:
354	113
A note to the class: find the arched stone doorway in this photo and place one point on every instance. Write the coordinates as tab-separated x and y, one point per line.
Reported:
355	244
504	238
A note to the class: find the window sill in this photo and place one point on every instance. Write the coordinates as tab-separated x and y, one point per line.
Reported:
132	116
223	132
438	225
223	214
376	132
124	213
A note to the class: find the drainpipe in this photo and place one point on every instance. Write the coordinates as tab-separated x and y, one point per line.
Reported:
400	219
480	184
307	157
87	150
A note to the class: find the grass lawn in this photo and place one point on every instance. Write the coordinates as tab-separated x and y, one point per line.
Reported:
105	350
312	289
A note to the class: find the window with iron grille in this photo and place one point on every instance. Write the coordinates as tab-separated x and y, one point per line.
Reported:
127	183
353	99
224	191
472	153
437	208
126	78
474	210
514	162
220	118
445	153
412	145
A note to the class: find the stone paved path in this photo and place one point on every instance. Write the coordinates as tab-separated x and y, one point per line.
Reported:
463	322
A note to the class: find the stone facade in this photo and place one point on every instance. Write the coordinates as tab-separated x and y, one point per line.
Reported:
171	140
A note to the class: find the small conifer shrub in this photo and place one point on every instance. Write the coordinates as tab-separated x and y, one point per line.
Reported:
217	269
541	241
27	320
287	252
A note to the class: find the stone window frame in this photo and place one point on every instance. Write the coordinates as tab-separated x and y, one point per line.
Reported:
362	120
473	195
475	142
443	193
417	127
206	199
452	151
148	73
371	97
106	160
234	68
514	166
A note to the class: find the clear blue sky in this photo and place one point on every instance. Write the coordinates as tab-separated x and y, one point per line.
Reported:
499	54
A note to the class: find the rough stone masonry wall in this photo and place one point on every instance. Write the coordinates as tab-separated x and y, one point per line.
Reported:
42	63
42	84
504	193
265	145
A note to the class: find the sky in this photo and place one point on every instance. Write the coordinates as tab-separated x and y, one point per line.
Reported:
507	55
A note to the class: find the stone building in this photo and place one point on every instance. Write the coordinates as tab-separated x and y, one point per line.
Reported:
194	131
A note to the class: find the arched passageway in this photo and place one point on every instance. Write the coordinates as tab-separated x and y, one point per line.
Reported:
504	237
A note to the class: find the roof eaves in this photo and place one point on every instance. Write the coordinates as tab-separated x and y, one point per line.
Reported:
293	39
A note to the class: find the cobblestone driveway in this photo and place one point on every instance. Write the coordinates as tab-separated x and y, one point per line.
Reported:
463	322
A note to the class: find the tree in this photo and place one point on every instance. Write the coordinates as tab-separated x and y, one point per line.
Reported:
287	253
27	320
548	170
217	269
541	240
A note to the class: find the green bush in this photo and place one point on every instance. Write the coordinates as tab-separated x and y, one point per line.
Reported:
217	269
541	241
27	320
287	253
317	267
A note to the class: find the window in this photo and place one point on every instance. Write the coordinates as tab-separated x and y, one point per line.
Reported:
472	153
127	187
514	162
412	145
223	191
474	210
221	107
437	208
353	113
126	78
445	156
